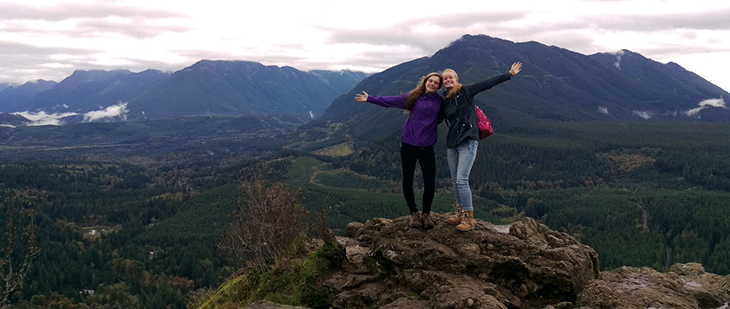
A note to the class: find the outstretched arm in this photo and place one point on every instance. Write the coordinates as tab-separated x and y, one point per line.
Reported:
474	89
394	101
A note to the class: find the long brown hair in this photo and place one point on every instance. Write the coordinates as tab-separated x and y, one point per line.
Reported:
419	90
456	87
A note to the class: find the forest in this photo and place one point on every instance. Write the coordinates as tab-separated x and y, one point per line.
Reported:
139	229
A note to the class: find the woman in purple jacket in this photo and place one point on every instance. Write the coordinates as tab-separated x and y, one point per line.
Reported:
417	140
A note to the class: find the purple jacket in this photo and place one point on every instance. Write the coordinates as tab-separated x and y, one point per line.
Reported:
420	127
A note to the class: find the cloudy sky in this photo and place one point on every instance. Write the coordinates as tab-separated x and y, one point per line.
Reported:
46	39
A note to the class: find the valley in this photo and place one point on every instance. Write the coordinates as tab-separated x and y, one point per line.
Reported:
639	194
635	168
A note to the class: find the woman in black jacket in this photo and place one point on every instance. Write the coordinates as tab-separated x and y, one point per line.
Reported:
462	139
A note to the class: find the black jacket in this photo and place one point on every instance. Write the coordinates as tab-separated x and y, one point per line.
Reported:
461	118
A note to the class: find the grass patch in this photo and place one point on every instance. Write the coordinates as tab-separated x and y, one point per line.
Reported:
343	178
290	282
339	150
302	170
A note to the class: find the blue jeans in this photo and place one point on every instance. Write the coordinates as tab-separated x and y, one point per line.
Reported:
461	158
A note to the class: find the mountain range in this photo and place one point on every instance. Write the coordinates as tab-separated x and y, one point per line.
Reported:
205	88
555	84
241	87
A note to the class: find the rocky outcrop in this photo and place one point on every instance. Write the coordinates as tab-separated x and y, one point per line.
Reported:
524	265
681	286
392	265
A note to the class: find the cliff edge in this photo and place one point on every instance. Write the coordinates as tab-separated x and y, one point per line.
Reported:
524	265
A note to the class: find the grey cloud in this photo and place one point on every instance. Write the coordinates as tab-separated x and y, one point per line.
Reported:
673	50
19	56
464	20
23	62
137	29
707	20
393	38
64	11
452	28
13	48
89	20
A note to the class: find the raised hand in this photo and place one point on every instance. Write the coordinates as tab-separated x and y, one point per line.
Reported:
516	68
362	97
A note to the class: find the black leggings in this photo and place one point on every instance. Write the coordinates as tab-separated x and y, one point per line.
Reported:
409	155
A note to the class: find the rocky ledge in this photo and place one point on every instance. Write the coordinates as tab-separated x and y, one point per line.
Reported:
527	265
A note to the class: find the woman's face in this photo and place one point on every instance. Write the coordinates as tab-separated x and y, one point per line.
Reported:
433	83
449	80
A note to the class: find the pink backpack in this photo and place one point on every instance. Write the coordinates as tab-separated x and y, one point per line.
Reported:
485	126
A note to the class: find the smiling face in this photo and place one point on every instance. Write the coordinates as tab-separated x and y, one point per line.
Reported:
433	83
450	79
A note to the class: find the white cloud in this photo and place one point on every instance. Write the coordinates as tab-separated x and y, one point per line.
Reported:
603	110
618	55
119	110
714	102
643	114
706	104
43	119
56	119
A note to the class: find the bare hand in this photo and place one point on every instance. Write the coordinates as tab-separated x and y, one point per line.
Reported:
362	97
516	68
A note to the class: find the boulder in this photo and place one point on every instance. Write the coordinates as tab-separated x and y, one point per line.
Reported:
392	265
710	290
681	286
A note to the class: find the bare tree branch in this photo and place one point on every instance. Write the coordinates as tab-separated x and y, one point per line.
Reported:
19	241
266	222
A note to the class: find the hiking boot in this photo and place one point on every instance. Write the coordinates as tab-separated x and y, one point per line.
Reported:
427	221
456	219
415	220
467	221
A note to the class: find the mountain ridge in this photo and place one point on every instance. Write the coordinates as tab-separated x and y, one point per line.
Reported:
208	87
241	87
555	84
14	96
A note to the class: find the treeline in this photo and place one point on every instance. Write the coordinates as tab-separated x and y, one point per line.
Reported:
97	230
562	156
641	195
652	228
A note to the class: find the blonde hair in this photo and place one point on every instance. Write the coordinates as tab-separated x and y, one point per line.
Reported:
456	87
419	90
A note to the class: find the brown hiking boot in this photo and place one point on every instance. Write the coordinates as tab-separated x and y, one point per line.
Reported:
456	219
467	222
415	220
427	221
